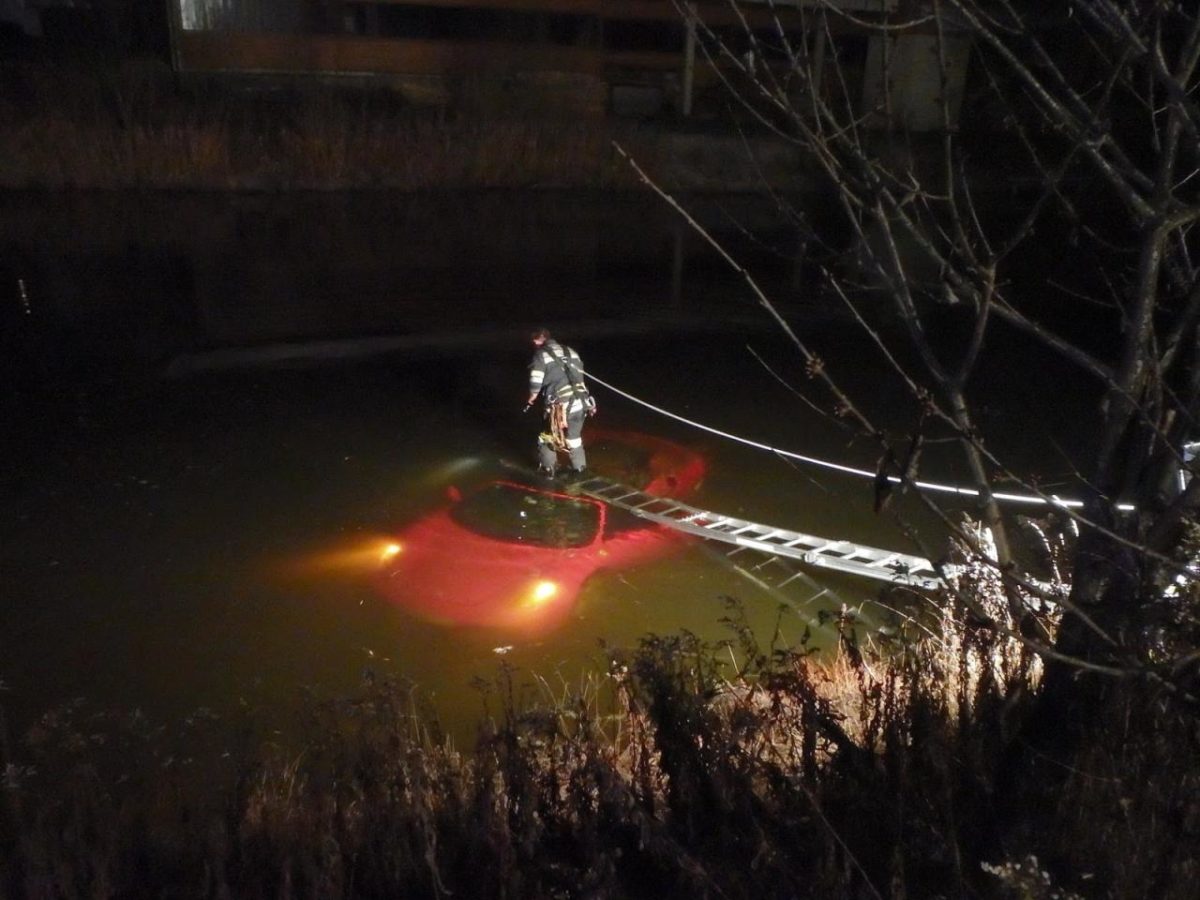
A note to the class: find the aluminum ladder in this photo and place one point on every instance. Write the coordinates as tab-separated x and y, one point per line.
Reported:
780	544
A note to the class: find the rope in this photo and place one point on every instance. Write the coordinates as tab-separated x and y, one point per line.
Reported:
849	470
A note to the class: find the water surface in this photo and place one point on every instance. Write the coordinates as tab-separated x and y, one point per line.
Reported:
182	530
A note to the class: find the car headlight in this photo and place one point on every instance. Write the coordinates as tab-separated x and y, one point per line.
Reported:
541	593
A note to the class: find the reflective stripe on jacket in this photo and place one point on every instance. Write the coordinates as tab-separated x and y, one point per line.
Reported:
548	375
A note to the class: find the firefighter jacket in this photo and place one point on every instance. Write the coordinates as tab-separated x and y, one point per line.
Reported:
557	373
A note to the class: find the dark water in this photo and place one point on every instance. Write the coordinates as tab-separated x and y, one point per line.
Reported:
183	529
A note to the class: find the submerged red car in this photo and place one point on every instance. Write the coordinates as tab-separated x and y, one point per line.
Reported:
513	554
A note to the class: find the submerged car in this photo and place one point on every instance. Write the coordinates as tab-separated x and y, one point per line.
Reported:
514	553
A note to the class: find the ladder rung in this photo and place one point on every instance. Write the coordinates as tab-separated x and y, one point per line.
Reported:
740	528
766	562
790	578
825	547
656	500
784	549
721	525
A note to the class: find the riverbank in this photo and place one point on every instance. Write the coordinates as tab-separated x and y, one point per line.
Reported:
133	125
676	773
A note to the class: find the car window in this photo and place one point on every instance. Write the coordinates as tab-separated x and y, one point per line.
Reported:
620	521
508	512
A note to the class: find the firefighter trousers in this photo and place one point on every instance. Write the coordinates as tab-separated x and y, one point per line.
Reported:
566	438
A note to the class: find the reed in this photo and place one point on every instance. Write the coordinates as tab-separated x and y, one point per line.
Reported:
129	126
681	769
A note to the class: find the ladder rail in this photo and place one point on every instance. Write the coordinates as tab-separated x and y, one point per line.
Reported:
833	554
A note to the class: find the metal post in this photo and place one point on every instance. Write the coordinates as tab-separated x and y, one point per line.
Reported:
174	27
689	58
677	247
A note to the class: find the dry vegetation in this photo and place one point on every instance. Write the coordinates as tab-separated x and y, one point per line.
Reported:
952	762
685	770
128	125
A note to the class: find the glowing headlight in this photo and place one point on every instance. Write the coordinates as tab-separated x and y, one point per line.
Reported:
542	592
390	551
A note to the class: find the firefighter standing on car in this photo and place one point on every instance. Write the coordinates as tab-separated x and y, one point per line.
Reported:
556	373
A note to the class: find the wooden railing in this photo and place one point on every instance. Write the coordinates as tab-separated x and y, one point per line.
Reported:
338	53
601	40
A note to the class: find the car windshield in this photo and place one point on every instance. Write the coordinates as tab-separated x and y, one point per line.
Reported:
508	512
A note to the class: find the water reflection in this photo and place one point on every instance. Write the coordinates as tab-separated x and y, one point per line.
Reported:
515	555
154	275
217	540
513	513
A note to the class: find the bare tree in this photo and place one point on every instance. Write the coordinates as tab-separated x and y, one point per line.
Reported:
1086	112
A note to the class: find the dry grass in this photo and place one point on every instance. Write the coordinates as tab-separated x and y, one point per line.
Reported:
685	770
130	127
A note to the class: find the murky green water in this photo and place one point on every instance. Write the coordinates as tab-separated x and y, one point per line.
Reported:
209	539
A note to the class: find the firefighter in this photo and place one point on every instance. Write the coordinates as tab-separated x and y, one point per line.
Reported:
556	373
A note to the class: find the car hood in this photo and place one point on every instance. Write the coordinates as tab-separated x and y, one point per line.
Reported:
445	573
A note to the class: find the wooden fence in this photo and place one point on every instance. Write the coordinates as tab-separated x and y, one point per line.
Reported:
607	42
